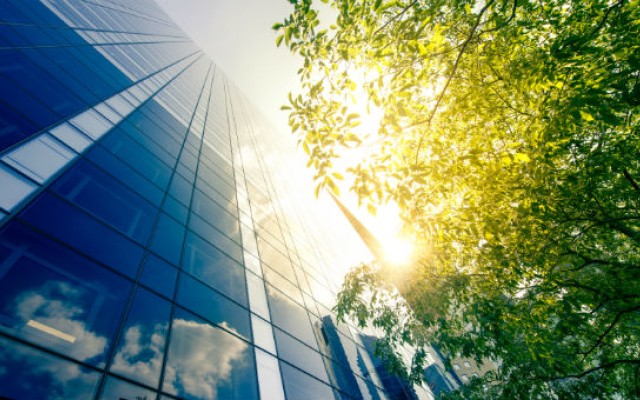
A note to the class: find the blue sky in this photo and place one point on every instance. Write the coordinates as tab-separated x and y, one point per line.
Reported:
237	35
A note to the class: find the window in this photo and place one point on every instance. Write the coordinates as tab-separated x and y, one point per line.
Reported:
289	316
213	306
71	137
303	357
159	275
140	352
213	267
167	240
68	304
300	386
43	374
92	123
71	225
14	188
107	199
207	362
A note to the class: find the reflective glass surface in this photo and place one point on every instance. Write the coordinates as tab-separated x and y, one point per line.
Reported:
147	237
213	306
139	354
205	362
56	298
32	374
300	386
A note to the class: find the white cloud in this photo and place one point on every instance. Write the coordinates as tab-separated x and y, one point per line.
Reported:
140	357
57	305
202	358
67	380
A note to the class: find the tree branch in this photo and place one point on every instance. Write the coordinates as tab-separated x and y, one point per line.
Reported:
612	325
451	76
400	14
594	369
628	177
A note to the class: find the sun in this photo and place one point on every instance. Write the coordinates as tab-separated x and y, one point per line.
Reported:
398	251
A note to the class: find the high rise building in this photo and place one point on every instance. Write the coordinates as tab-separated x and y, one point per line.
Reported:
148	248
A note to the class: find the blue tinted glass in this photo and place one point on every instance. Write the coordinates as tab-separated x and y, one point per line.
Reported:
21	100
61	64
216	215
181	189
140	352
176	209
300	386
31	374
159	275
121	390
140	158
86	234
130	177
214	236
91	66
145	124
205	362
214	307
148	141
213	267
167	240
38	81
13	126
51	296
106	198
300	355
289	316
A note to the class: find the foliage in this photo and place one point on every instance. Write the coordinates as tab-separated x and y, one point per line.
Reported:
509	139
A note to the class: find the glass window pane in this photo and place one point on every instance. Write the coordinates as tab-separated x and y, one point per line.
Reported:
51	296
71	137
269	376
119	104
159	275
39	159
167	240
14	188
213	306
140	351
106	198
108	112
215	268
92	123
300	355
257	296
300	386
289	316
128	175
214	236
116	389
205	362
31	374
71	225
263	334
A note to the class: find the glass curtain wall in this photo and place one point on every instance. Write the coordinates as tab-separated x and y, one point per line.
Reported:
148	249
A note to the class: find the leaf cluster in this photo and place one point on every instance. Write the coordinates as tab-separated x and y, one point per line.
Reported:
510	140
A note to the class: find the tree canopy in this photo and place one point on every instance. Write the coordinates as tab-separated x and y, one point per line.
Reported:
507	132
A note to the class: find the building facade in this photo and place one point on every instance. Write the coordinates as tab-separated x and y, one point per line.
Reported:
148	249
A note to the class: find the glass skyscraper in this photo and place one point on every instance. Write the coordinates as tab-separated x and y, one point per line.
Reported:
147	248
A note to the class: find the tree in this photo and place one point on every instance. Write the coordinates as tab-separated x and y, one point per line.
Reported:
508	136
